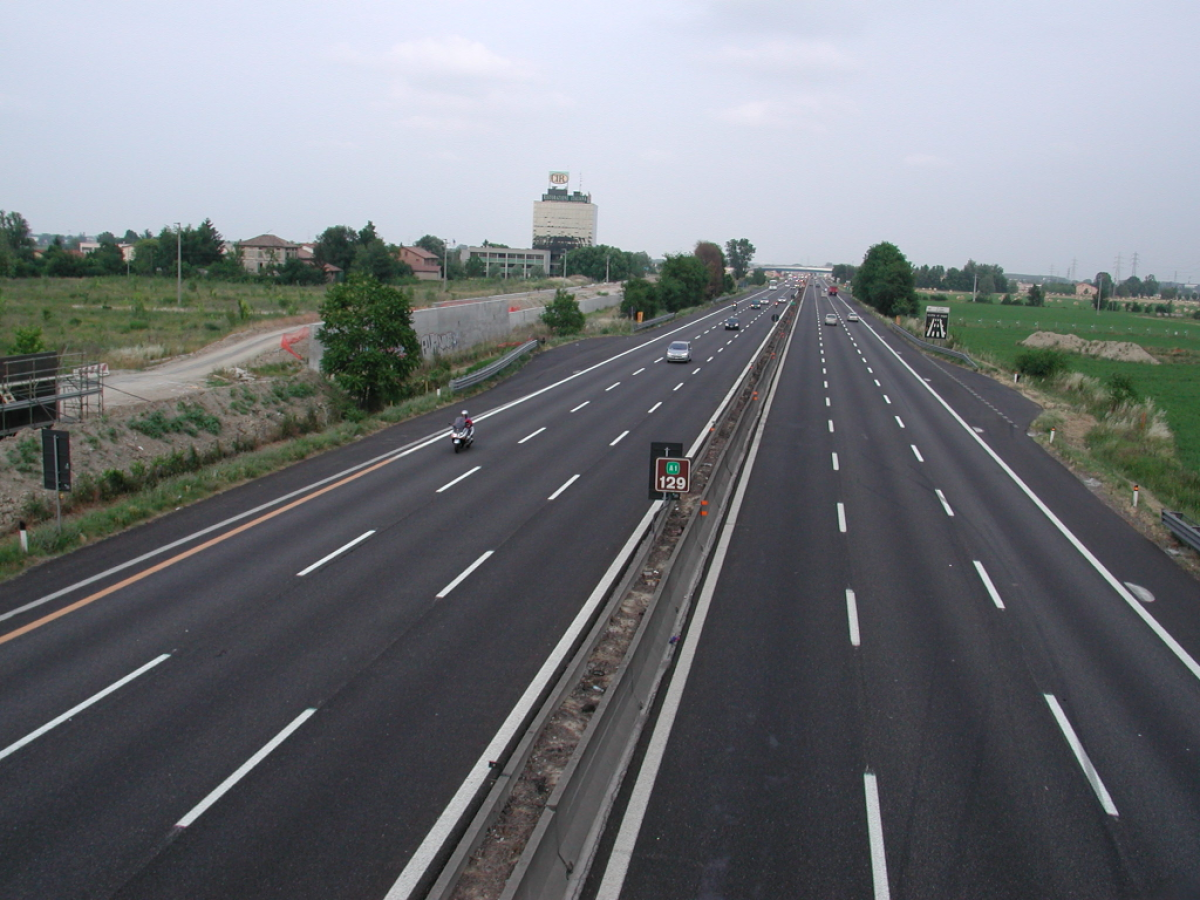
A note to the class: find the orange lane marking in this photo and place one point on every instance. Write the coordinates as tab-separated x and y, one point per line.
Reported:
158	567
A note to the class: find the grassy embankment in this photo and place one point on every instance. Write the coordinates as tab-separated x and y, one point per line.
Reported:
92	518
1124	443
133	321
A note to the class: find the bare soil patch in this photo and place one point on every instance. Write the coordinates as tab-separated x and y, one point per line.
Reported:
1122	351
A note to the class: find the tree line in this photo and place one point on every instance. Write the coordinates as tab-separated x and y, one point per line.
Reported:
686	280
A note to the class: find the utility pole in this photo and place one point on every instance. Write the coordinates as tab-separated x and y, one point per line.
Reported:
179	264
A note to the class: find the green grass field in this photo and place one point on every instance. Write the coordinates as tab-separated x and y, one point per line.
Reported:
133	321
994	332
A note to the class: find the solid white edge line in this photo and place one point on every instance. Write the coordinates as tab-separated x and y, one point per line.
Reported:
987	583
531	436
581	405
335	553
945	504
618	438
1081	756
879	876
450	484
75	710
244	768
631	824
852	615
441	595
842	517
441	830
397	453
570	481
1152	623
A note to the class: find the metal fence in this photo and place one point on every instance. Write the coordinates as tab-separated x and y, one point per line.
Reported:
925	345
457	384
1183	528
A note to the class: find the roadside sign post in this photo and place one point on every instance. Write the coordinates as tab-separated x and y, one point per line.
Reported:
937	322
56	466
671	451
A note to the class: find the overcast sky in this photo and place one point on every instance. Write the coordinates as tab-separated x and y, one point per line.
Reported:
1029	133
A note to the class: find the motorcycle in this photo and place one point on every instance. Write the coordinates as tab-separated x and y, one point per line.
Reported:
462	435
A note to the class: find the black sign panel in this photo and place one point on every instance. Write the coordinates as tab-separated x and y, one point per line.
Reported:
660	449
937	322
56	460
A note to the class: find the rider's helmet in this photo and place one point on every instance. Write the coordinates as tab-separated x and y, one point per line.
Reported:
466	415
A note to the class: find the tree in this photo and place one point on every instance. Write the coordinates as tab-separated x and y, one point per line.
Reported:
682	281
1037	297
105	260
475	267
298	271
16	245
714	261
434	245
203	246
336	247
640	296
58	262
758	277
1104	288
599	263
885	281
563	315
1150	287
843	272
739	252
370	345
379	260
368	234
28	340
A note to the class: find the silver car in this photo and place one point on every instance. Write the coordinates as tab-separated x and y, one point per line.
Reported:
830	319
679	351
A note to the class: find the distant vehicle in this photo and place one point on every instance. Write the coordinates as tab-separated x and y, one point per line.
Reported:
830	319
679	351
853	317
732	324
774	283
754	304
833	290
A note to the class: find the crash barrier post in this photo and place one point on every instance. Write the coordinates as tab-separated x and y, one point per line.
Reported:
1183	528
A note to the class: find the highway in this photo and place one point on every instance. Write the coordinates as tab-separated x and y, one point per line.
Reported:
926	662
294	688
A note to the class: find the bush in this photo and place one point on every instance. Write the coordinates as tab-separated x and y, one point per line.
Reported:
1043	362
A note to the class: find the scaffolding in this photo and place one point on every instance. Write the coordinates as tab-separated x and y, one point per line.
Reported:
40	389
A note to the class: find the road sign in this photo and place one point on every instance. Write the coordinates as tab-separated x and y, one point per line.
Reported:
56	460
672	476
659	450
937	322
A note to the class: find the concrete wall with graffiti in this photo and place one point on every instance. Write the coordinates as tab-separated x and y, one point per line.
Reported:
445	329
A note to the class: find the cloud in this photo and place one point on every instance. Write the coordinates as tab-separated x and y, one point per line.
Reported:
926	161
808	60
805	113
451	83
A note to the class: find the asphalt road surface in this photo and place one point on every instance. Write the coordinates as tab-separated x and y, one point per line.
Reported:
290	689
926	663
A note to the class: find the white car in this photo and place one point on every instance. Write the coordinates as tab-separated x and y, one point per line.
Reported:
853	317
679	351
830	319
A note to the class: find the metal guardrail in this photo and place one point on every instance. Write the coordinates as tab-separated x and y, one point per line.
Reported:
650	323
558	856
1183	528
925	345
457	384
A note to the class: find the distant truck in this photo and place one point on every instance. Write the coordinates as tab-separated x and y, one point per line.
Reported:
833	290
774	283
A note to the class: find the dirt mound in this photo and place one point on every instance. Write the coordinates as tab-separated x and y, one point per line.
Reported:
1123	351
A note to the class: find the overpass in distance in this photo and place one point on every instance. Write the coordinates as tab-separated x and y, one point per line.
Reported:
796	269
